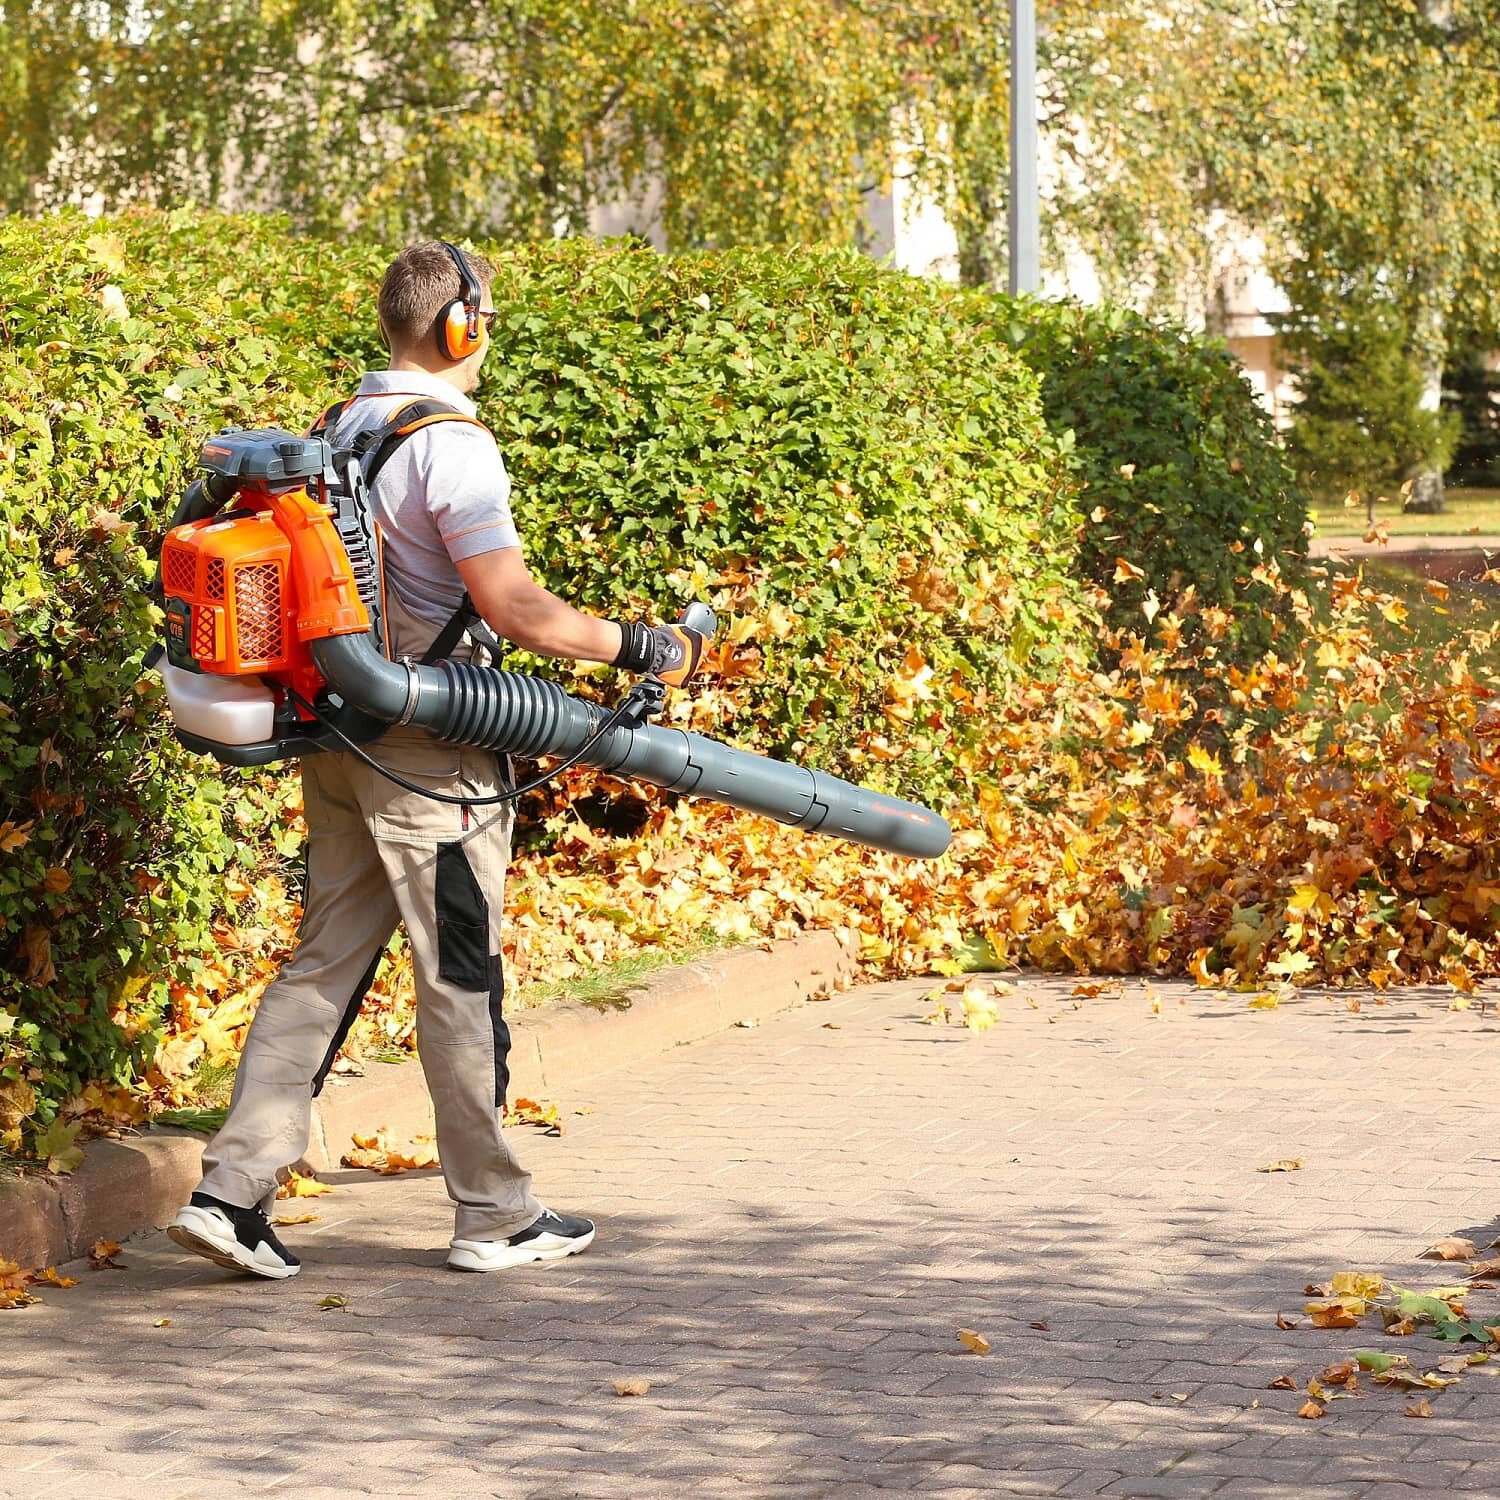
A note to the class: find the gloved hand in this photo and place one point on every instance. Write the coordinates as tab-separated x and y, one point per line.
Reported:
671	652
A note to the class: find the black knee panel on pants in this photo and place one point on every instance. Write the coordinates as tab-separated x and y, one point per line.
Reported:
463	921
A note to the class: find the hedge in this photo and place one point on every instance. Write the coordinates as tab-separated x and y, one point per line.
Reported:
851	464
1182	472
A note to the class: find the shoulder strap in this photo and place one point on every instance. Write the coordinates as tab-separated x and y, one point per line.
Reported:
329	418
464	618
374	448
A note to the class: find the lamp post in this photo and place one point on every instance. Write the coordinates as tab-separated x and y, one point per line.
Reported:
1025	272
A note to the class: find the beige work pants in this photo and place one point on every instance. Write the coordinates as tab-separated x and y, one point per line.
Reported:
378	855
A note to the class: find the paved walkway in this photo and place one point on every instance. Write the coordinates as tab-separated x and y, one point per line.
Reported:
793	1221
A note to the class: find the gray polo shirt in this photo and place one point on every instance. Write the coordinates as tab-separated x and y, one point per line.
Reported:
442	496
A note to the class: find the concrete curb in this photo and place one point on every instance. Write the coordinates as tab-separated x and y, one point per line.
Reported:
125	1186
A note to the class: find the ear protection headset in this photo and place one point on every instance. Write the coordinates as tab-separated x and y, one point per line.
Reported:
458	334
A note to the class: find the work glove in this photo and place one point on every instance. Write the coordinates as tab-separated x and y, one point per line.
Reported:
671	652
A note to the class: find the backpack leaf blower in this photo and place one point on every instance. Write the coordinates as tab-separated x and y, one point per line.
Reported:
271	584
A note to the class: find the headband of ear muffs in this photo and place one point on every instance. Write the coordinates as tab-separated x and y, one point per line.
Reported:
458	334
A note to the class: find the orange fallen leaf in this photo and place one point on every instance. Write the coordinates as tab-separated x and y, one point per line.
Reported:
1282	1383
1311	1411
1282	1321
975	1341
636	1385
1452	1248
1422	1408
1336	1315
1401	1327
56	1278
1341	1373
102	1256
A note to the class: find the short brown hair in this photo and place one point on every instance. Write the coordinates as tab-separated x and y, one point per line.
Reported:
419	284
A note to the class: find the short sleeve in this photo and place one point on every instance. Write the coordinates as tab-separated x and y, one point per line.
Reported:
466	487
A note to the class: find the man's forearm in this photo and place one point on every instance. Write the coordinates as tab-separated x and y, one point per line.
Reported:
536	620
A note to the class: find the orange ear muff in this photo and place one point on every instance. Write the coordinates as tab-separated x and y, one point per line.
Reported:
458	329
459	333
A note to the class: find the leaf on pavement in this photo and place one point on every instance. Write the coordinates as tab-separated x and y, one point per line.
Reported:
1367	1284
162	1323
1336	1314
1422	1408
102	1256
1312	1411
530	1112
1282	1321
1376	1362
1286	1164
284	1219
298	1186
1282	1383
1452	1248
635	1385
334	1300
972	1340
378	1153
1340	1373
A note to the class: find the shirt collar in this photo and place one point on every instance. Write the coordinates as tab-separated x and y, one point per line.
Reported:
415	383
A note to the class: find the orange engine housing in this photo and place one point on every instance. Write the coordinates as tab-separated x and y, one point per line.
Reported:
247	590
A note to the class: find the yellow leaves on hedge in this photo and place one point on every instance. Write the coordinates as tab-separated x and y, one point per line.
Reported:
14	836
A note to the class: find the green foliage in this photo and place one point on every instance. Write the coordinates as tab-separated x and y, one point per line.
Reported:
1359	422
850	463
758	121
810	442
1182	474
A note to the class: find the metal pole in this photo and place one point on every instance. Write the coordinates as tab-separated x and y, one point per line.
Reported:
1025	232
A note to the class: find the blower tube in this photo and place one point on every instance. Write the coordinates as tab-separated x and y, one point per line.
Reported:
509	712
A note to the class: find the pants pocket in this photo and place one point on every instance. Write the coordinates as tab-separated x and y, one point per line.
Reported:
463	921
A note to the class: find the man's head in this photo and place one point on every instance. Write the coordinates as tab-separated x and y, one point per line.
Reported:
416	289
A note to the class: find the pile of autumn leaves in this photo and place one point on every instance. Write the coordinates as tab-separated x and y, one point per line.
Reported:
1327	814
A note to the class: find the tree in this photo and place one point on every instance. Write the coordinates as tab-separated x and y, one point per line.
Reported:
763	121
1360	421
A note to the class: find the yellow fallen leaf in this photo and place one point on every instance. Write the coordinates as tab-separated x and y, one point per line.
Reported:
975	1341
1366	1284
333	1300
285	1219
162	1323
298	1186
636	1385
1286	1164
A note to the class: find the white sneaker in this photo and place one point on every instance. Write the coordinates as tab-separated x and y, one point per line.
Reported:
551	1237
239	1238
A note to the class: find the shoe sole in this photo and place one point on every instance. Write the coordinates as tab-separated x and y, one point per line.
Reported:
520	1255
221	1255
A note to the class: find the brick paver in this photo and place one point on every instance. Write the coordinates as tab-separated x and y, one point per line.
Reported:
793	1220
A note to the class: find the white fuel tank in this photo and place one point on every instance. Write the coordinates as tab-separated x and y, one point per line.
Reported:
226	710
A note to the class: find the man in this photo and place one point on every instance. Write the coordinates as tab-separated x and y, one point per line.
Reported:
378	854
